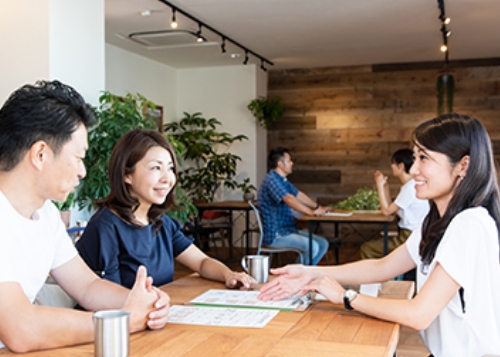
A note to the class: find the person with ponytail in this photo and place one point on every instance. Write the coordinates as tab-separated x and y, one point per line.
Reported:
456	251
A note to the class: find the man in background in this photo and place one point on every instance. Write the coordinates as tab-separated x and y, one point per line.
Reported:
277	197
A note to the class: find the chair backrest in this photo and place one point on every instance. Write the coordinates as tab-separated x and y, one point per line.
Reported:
259	224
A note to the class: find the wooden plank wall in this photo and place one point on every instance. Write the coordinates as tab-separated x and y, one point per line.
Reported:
352	119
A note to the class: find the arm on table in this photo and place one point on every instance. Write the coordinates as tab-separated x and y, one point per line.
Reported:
303	204
417	313
212	269
293	278
26	327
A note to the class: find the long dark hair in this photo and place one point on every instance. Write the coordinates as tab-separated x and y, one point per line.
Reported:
456	136
130	149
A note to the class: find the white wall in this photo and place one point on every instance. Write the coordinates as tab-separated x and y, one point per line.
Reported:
224	93
127	72
24	44
76	45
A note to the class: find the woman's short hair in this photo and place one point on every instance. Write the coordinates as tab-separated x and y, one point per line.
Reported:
404	156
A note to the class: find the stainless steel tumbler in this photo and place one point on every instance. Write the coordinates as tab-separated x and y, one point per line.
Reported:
111	333
257	266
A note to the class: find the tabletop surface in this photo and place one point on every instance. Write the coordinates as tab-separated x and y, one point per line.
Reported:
234	205
322	330
361	217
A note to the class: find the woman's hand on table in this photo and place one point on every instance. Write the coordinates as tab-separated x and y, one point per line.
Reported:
148	305
291	279
328	287
240	280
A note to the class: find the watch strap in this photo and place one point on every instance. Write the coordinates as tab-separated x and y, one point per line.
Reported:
347	300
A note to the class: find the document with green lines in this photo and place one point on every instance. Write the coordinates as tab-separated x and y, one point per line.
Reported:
248	299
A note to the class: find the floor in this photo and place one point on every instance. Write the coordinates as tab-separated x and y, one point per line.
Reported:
410	343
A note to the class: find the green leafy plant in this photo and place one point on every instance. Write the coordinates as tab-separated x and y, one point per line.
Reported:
211	166
116	115
66	205
184	209
445	82
363	199
246	186
267	110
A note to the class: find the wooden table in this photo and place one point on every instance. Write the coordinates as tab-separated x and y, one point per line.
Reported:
230	206
363	218
323	329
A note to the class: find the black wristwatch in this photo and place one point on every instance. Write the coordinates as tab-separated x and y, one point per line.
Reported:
349	296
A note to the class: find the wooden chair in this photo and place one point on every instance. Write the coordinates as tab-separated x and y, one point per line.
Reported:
269	250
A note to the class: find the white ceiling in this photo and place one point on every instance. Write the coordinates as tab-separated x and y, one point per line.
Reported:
313	33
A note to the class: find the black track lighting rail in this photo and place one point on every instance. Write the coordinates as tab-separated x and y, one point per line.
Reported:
444	31
224	38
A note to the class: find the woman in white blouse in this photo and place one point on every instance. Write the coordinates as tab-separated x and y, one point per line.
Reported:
456	251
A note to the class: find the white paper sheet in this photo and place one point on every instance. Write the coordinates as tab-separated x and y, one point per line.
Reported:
338	214
220	316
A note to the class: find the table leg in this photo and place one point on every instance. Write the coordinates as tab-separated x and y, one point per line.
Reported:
247	227
310	227
386	238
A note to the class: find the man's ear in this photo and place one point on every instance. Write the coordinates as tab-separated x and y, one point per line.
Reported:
38	153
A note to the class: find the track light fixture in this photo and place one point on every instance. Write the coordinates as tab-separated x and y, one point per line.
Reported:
262	66
200	37
173	23
444	31
223	45
224	38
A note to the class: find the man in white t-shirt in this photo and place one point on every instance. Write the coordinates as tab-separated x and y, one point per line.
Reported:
409	208
43	140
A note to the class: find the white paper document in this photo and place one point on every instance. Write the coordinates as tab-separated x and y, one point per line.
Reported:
220	316
242	298
338	214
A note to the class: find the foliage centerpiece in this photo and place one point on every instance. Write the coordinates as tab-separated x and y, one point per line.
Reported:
363	199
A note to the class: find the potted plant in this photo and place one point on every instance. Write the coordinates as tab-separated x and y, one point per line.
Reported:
267	110
64	208
211	165
116	115
445	83
248	189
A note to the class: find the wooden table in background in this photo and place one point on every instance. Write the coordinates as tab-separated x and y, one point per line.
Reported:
362	218
323	329
230	206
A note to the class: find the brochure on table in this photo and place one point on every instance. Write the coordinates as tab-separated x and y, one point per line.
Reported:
248	299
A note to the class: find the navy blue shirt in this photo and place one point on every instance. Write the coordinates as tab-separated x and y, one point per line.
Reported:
275	213
116	248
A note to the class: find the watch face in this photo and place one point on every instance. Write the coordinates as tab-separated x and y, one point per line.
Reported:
350	294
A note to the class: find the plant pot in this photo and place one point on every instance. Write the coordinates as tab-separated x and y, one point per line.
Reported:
247	196
66	217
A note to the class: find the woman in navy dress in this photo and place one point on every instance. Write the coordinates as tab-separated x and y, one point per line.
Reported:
131	228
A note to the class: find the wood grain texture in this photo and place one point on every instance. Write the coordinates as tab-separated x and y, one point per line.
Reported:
322	330
352	119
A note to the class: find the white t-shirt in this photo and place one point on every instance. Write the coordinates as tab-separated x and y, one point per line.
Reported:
31	248
469	253
412	210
